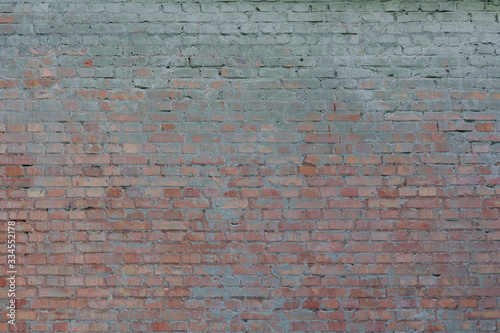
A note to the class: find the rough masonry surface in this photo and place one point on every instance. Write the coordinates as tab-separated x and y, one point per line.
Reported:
243	166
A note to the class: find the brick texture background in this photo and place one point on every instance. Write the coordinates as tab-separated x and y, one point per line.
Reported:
252	166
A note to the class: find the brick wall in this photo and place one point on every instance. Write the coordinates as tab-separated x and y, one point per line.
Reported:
251	166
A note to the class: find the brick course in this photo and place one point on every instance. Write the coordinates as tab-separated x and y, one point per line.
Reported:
234	166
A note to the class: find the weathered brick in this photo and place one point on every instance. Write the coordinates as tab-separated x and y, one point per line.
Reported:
252	166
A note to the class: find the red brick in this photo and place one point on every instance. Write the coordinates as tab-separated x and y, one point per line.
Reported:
166	137
307	170
126	95
470	95
172	192
127	159
487	127
160	327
